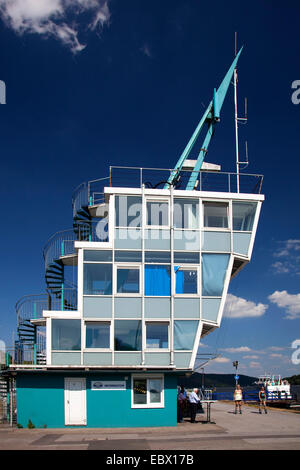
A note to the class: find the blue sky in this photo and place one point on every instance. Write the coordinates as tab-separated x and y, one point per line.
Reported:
94	83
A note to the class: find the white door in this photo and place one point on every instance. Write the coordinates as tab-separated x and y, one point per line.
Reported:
75	401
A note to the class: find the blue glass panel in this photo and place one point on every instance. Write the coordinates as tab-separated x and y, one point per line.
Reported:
157	280
186	257
243	215
157	257
97	255
97	279
128	335
186	280
186	213
97	335
214	267
157	335
128	256
184	334
128	211
66	335
128	280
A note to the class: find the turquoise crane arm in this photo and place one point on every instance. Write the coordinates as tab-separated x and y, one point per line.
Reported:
211	116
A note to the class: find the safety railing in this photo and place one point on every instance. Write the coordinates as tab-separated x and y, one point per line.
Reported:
92	192
89	194
156	178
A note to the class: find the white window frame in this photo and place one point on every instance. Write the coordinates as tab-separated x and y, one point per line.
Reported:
94	320
229	215
115	279
199	212
158	322
187	267
148	404
158	201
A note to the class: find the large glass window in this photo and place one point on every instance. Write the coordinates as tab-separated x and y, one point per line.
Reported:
128	280
148	392
243	214
157	335
97	335
215	214
128	211
186	280
97	279
157	213
128	335
66	335
214	268
184	334
157	280
186	213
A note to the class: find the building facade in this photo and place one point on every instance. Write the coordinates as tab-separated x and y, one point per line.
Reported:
152	269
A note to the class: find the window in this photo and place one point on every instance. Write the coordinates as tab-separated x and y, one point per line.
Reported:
186	213
148	392
128	335
184	334
128	280
157	257
97	335
214	268
186	280
97	279
157	335
128	256
66	335
128	211
97	255
243	215
157	213
186	257
157	280
215	214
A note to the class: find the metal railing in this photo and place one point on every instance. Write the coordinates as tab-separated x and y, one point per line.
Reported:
207	180
92	192
89	194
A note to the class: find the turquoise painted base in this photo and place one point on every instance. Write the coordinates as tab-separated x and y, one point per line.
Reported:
40	398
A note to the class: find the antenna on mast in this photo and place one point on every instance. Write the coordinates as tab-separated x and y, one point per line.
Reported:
238	120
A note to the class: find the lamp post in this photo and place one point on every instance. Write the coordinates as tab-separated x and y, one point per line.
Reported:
235	364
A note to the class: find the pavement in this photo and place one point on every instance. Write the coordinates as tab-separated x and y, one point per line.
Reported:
277	430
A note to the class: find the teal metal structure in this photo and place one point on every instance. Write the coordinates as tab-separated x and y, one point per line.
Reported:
210	117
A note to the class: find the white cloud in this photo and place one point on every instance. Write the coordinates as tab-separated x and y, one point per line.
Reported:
255	365
221	360
251	357
290	302
55	18
289	260
237	350
237	307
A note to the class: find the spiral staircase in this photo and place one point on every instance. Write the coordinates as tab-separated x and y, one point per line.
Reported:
59	253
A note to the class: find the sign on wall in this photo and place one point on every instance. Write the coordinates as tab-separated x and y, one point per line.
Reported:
108	385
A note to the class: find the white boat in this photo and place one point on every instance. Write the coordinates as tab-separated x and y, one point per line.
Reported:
277	389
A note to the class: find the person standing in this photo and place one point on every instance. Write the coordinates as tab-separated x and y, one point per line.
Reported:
262	400
238	397
194	400
181	398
